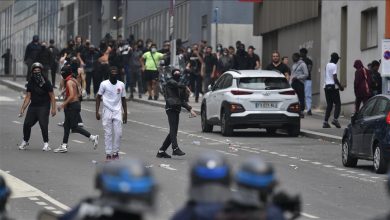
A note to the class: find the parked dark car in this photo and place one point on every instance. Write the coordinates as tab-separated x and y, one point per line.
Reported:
367	137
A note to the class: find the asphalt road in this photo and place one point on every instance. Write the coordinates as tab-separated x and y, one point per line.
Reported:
310	167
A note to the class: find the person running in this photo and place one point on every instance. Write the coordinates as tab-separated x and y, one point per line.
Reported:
113	93
72	109
175	96
39	98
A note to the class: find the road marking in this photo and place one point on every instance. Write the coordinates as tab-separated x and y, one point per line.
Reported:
33	198
304	160
224	152
49	207
41	203
316	163
167	166
340	169
293	158
21	189
120	152
251	151
17	122
58	212
328	166
80	142
309	216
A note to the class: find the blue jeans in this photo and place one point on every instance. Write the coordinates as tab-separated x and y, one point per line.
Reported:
308	93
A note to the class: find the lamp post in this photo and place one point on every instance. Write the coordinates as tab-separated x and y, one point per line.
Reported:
216	10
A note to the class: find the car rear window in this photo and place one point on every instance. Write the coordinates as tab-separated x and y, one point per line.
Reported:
263	83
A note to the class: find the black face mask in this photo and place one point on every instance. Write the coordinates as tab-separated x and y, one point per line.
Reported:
113	78
176	77
39	79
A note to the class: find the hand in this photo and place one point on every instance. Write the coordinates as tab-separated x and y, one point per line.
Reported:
124	117
60	107
53	112
341	88
97	116
21	114
143	69
192	113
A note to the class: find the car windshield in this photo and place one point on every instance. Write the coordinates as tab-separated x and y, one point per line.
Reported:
263	83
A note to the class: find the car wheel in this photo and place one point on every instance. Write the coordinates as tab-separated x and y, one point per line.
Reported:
226	128
346	157
271	130
206	127
380	165
294	130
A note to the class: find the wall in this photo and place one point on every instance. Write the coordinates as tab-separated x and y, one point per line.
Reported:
330	33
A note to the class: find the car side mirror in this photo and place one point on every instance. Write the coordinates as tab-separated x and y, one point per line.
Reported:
46	215
210	88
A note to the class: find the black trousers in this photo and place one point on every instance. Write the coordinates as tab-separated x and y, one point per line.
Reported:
299	88
196	84
53	68
92	76
72	118
332	96
34	115
173	119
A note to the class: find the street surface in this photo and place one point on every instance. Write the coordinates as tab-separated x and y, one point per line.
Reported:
310	167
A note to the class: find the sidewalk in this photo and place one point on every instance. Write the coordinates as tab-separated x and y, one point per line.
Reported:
311	126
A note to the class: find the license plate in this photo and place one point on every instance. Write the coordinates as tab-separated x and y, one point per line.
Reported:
266	104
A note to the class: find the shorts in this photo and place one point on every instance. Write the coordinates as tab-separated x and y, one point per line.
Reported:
151	75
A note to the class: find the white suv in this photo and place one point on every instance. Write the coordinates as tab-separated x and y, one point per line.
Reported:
251	99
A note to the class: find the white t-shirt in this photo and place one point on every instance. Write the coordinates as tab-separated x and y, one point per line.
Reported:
330	70
112	94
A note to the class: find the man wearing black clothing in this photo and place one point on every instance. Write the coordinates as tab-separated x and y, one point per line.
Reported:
55	56
376	78
30	56
91	61
253	59
194	66
70	51
44	57
278	66
175	98
241	58
210	61
7	59
167	51
39	98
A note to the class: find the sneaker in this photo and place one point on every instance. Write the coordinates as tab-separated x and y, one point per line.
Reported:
326	125
162	154
108	158
46	147
95	141
23	145
309	112
336	123
131	97
301	115
115	156
62	149
140	96
196	100
80	124
178	152
150	98
61	124
156	98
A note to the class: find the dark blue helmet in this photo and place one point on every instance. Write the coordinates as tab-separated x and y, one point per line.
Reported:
5	192
127	185
210	178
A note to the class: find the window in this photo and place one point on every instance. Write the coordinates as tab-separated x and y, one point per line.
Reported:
263	83
382	107
219	84
228	81
367	109
369	29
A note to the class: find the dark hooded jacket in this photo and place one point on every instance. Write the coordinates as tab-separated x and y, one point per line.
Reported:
362	80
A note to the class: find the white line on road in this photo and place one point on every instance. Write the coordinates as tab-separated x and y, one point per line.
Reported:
58	212
309	216
167	166
49	207
17	122
224	152
316	163
328	166
41	203
21	189
80	142
33	198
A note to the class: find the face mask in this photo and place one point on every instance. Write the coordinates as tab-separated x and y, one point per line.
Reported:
154	50
113	78
140	45
38	78
225	54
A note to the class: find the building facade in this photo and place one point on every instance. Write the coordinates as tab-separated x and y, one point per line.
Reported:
195	20
354	29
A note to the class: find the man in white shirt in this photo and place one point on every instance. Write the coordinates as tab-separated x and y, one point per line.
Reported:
114	99
332	94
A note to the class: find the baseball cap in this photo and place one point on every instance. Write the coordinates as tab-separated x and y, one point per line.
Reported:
251	47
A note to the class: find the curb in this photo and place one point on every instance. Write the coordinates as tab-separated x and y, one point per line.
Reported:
304	132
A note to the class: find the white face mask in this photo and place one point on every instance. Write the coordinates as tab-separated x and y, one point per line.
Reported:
154	50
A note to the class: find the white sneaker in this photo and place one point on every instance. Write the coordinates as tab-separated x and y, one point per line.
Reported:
46	147
62	149
95	141
23	145
80	124
61	124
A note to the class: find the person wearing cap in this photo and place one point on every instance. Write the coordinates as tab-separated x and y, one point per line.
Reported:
209	188
308	82
113	93
175	98
253	59
31	54
55	56
332	87
91	61
39	98
127	190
